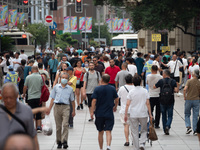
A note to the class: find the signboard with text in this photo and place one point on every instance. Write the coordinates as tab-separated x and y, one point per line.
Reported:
156	37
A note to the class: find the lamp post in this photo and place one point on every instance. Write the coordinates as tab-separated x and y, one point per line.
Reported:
85	21
99	35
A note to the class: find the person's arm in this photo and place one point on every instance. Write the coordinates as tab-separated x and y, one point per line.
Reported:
24	91
184	92
50	106
116	85
116	104
92	108
73	106
39	109
149	109
56	79
126	110
84	89
59	65
36	142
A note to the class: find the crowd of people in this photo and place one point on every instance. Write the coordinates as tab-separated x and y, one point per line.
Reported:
103	80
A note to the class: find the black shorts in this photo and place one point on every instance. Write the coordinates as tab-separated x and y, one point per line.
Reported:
104	123
198	126
79	86
89	97
35	103
177	79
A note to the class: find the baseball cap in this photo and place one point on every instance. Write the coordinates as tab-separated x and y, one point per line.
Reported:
10	67
70	68
151	56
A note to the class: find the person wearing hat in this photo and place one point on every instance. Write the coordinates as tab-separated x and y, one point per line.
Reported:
11	76
72	82
60	54
147	68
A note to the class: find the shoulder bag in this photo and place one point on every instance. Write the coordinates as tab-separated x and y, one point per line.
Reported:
172	74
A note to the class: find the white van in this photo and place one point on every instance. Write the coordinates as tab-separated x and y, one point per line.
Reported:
125	40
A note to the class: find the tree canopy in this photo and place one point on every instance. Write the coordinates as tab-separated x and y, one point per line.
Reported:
160	14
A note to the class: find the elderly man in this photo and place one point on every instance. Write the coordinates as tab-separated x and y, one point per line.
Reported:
9	124
61	95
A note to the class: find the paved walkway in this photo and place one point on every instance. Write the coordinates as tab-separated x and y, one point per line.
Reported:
84	135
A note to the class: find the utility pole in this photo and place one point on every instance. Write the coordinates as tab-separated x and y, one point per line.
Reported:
48	27
99	8
85	26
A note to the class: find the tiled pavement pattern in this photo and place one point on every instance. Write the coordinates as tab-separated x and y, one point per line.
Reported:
84	134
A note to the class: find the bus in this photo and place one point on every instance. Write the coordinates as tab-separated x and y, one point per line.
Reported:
21	40
129	41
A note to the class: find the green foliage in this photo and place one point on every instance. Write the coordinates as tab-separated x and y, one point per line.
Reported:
103	32
40	33
93	43
64	40
6	44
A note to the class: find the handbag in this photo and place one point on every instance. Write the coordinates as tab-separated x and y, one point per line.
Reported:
152	133
14	117
44	93
172	74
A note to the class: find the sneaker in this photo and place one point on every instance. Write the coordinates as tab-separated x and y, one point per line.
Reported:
39	130
157	127
179	94
78	108
188	130
126	144
142	146
71	126
59	145
81	106
65	146
90	120
166	131
195	133
86	103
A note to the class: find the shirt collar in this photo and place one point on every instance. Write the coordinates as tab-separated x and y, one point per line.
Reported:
60	86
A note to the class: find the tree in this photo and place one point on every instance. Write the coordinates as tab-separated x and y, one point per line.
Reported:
6	44
64	40
103	32
40	33
161	14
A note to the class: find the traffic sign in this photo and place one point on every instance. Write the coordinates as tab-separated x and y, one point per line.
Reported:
156	37
54	26
49	20
165	48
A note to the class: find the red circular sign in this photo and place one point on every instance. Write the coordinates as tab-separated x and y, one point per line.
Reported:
49	19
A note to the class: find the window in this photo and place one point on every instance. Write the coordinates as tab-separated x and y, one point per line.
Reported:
132	43
117	42
21	41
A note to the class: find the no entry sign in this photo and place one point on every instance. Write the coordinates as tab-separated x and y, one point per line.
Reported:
49	20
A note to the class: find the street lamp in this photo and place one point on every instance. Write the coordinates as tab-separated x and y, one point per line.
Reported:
85	20
123	11
99	8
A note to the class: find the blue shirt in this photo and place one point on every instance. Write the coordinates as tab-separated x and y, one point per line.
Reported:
27	69
62	95
147	67
139	62
79	51
53	64
105	96
11	76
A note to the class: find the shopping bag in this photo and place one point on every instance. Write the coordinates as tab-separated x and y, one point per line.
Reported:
47	126
152	133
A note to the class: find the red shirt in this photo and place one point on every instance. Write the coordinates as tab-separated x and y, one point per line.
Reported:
112	72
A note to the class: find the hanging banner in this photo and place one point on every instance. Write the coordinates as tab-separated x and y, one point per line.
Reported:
115	25
120	25
20	18
67	24
3	15
88	24
126	25
12	18
108	22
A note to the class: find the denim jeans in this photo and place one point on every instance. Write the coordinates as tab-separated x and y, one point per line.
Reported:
167	115
194	105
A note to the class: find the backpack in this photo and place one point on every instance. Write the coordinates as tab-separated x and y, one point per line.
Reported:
166	93
88	77
44	93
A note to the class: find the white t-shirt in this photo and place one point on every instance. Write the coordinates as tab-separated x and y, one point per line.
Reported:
122	93
71	49
172	64
107	55
192	68
132	69
101	50
152	79
155	62
16	65
138	108
106	64
185	63
23	56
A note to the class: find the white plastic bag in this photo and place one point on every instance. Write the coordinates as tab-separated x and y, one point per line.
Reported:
47	126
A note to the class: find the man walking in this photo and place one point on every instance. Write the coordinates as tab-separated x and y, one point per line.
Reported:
167	88
105	99
34	85
62	95
11	76
91	80
112	71
120	77
52	66
152	79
